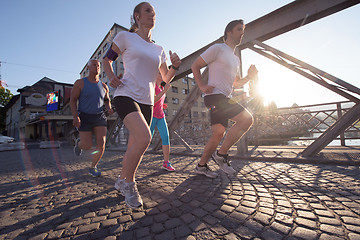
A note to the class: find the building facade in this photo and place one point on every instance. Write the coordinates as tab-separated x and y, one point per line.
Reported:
174	97
28	116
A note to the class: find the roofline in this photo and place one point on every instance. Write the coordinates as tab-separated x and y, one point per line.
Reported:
11	102
106	36
20	90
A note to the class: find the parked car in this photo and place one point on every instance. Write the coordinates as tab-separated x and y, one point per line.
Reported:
5	139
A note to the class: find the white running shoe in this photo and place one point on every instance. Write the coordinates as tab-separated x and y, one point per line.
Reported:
119	185
223	163
205	170
132	196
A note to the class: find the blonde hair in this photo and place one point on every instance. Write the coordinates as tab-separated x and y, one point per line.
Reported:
133	21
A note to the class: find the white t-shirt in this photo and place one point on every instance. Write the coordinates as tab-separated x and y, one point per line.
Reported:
141	63
224	66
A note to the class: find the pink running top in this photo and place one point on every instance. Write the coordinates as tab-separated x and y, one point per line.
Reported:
159	105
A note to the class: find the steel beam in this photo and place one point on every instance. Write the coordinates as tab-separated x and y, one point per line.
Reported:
333	131
319	77
313	73
282	20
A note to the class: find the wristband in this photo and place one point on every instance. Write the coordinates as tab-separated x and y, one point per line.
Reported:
175	68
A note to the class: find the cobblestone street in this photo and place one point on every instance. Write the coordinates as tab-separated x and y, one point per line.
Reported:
48	194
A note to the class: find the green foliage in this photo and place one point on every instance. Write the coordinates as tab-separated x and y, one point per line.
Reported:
5	96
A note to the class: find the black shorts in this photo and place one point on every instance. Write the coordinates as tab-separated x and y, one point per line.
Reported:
125	105
89	121
221	108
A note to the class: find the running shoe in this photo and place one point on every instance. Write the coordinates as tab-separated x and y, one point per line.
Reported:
223	162
167	166
205	170
94	172
119	185
132	196
77	150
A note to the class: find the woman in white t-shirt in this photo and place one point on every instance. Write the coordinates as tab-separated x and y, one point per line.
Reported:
134	94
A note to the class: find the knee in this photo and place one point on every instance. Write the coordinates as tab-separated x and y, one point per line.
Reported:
143	140
218	135
248	121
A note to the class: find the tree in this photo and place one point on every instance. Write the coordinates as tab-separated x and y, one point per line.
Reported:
5	97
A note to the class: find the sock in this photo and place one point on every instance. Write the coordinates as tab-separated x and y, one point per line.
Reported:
221	155
127	184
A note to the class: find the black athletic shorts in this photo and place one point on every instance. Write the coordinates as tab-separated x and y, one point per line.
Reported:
125	105
89	121
221	108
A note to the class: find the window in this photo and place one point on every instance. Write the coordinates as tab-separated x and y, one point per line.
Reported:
196	114
175	100
193	82
184	80
196	104
203	114
174	89
122	66
99	55
105	47
174	112
185	91
202	104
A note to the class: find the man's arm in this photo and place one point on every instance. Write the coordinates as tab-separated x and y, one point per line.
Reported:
252	75
75	94
107	102
195	67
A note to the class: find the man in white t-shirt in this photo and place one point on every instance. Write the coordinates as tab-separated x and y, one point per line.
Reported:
224	74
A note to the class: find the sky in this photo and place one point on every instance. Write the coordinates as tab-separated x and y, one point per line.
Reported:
55	39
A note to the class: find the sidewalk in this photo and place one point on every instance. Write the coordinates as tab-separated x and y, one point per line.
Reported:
47	194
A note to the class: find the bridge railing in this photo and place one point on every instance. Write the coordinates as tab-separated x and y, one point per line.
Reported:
281	126
301	123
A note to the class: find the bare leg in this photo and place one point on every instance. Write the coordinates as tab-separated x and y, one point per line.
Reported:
85	140
243	120
100	134
217	134
166	152
139	139
131	142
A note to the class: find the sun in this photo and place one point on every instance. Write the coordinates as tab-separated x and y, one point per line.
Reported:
279	85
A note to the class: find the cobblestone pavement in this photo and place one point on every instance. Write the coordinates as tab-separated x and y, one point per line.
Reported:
47	194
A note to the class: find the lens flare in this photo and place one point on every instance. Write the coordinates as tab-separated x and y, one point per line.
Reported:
95	152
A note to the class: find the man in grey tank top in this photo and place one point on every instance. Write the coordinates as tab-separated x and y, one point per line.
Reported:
88	97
